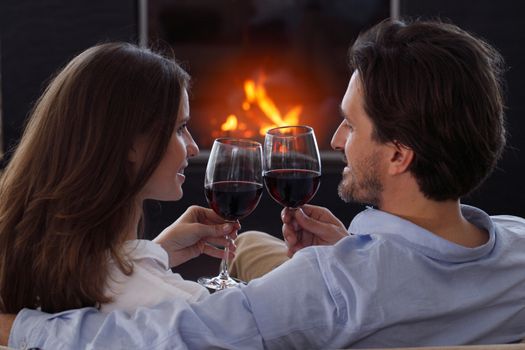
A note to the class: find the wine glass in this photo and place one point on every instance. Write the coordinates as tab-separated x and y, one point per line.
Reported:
292	166
233	188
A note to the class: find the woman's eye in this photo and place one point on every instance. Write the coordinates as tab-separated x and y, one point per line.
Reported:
182	128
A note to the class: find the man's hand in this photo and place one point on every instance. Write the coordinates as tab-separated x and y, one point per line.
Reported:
195	233
310	225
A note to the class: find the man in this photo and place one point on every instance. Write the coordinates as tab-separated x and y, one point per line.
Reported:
422	126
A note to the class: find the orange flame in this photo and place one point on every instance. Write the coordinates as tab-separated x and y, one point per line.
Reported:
230	123
257	96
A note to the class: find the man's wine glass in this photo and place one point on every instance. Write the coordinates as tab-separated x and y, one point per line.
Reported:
292	166
233	187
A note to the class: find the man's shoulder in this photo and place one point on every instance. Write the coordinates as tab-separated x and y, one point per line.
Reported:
351	254
509	224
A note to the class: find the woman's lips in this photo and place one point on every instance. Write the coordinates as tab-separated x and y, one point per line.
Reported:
180	173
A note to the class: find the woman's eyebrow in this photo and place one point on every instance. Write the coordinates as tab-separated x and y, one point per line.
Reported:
184	119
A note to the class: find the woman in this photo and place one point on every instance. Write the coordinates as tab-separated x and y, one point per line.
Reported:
109	132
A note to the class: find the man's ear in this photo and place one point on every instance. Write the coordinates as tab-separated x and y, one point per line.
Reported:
401	157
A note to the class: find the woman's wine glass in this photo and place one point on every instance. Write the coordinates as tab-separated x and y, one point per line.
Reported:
292	166
233	187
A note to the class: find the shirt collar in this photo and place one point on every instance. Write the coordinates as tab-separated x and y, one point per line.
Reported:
377	222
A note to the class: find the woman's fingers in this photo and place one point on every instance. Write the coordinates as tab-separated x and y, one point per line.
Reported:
215	252
220	242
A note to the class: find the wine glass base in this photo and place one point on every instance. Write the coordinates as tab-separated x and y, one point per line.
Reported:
218	283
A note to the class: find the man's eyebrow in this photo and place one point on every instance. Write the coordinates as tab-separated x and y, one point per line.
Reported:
342	112
345	115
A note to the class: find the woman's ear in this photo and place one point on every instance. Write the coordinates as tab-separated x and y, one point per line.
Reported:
401	157
132	155
135	153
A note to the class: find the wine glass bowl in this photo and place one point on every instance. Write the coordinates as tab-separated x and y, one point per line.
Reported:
231	200
292	165
233	187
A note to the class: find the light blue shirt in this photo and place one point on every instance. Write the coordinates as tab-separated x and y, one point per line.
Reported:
391	283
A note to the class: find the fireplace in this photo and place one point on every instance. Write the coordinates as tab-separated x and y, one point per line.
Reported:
263	63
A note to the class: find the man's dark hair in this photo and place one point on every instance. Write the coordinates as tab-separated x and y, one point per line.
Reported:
436	89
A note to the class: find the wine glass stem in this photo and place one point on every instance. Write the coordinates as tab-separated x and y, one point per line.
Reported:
224	275
299	232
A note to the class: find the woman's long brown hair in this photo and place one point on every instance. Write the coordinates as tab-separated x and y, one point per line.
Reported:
68	193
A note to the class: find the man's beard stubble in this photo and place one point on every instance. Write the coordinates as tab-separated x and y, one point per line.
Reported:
363	187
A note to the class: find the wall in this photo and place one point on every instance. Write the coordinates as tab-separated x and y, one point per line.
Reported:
39	37
501	24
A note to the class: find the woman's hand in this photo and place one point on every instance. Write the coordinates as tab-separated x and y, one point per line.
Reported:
196	232
6	322
310	225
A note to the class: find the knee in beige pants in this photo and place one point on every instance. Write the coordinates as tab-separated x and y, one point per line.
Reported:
257	253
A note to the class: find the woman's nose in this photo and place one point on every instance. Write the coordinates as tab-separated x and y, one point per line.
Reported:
192	147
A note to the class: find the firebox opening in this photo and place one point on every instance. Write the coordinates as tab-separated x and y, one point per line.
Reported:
259	64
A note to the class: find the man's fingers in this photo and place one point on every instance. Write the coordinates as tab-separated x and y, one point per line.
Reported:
306	222
290	236
307	239
321	214
293	250
286	215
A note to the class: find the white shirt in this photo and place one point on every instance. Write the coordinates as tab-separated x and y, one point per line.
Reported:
151	282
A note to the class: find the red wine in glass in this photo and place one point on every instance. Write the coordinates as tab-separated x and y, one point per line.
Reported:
292	187
233	186
233	200
292	165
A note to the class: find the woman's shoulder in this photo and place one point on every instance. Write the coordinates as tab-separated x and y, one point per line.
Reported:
143	250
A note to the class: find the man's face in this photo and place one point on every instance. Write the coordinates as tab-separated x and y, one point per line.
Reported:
362	176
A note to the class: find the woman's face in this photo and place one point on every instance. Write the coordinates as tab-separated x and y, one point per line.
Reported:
166	181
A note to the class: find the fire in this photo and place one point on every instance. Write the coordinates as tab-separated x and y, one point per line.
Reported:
230	123
269	116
